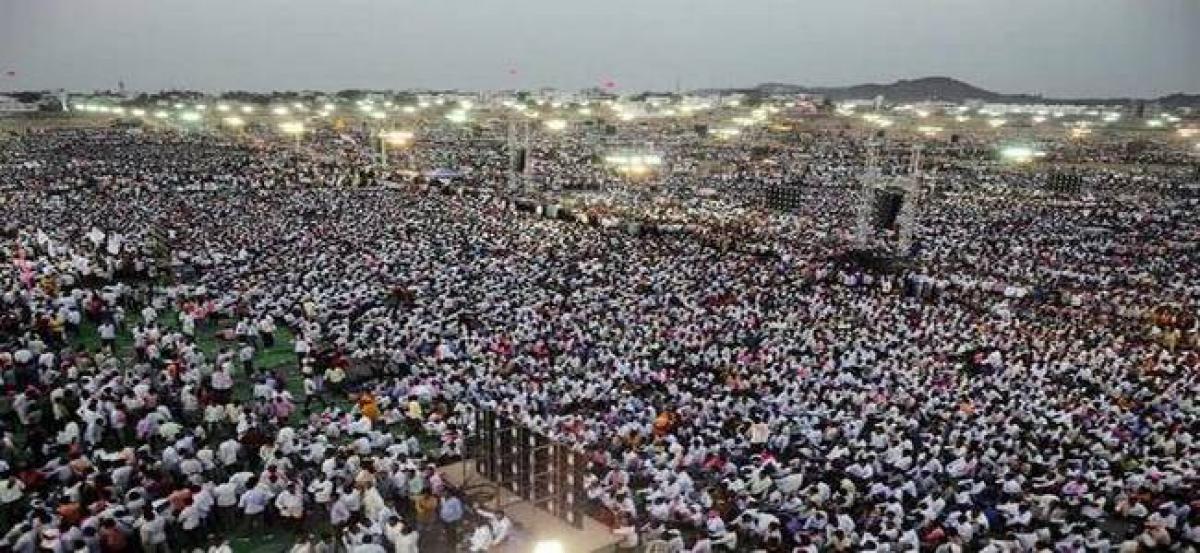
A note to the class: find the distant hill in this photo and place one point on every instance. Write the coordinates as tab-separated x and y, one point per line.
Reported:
950	90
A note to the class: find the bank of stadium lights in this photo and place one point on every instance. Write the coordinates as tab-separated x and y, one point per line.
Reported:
549	546
137	112
397	138
635	164
458	116
161	114
1154	123
233	121
1111	117
585	111
962	118
1188	132
200	107
556	125
996	123
178	105
223	108
189	116
929	130
247	109
280	111
1038	119
1018	154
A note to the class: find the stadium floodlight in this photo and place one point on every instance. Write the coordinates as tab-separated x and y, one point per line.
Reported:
409	109
189	116
233	121
457	116
929	130
328	107
138	112
996	123
292	127
556	124
118	110
1154	123
1018	154
1188	132
247	109
1038	119
280	110
397	138
549	546
376	114
726	132
178	105
962	118
161	114
223	108
200	107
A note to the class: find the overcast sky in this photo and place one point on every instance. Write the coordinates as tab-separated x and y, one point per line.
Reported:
1055	47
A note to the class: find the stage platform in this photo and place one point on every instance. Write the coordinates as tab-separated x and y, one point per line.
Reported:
535	524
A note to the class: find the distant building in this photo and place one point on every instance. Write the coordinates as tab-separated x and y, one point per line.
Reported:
12	106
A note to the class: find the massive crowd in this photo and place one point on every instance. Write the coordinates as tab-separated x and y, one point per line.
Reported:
204	338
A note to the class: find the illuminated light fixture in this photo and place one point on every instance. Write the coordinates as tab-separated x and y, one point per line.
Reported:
397	138
376	115
178	105
189	116
929	130
233	121
1154	123
247	109
223	108
292	127
1039	119
1018	154
996	123
457	116
118	110
466	104
550	546
280	110
884	122
201	107
585	111
328	106
161	114
409	109
138	112
922	113
962	118
556	124
1188	133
